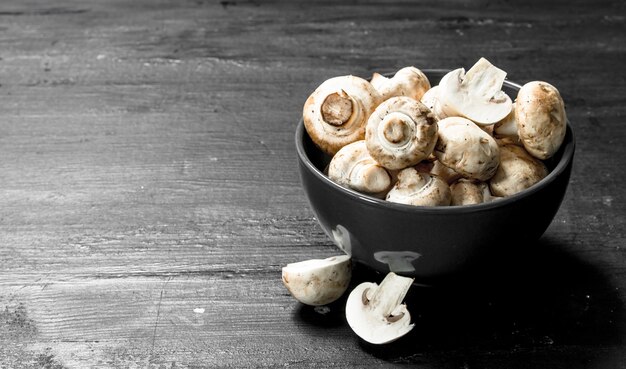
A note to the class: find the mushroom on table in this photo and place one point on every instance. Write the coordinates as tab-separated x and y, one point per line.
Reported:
376	313
318	281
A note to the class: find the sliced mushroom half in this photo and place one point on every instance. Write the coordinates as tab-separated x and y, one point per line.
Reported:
376	313
476	95
401	132
408	81
336	113
318	281
354	167
467	149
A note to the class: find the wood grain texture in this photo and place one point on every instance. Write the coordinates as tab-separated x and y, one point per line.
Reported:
149	193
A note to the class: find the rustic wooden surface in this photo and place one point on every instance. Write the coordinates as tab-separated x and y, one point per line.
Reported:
149	193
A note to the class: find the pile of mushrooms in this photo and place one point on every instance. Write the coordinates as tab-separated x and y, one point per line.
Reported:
461	142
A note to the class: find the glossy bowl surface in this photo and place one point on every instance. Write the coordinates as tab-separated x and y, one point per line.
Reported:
429	243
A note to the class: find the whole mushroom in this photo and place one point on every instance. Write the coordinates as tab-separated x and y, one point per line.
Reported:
336	113
538	121
419	189
401	132
353	167
318	281
408	81
476	95
467	149
449	175
469	192
518	171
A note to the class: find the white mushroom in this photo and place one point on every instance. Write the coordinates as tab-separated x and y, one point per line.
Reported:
469	192
401	132
467	149
336	113
318	281
408	81
353	167
449	175
376	313
419	189
539	120
476	95
518	171
398	261
431	100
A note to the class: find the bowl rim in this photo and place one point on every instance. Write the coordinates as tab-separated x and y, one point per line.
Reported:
567	156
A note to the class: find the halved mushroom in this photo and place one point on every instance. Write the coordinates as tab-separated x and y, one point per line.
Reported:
419	189
318	281
469	192
467	149
518	171
376	313
336	113
401	132
476	95
408	81
539	120
353	167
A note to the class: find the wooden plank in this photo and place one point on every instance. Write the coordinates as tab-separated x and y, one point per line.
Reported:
149	190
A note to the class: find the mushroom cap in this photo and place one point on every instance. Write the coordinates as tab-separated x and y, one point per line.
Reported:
449	175
431	100
336	113
401	132
318	281
376	313
408	81
518	171
353	167
507	127
476	95
541	118
419	189
467	149
469	192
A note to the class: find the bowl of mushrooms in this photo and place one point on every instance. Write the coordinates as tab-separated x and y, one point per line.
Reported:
426	173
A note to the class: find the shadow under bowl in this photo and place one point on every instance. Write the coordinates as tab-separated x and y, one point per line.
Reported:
431	243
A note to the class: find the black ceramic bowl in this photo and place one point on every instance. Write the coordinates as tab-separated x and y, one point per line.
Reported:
429	243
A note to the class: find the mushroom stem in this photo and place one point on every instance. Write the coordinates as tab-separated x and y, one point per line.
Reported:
337	108
384	299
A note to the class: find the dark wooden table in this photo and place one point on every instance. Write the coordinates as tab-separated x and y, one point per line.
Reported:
149	193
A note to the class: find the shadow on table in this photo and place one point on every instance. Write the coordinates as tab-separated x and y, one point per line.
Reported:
546	298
